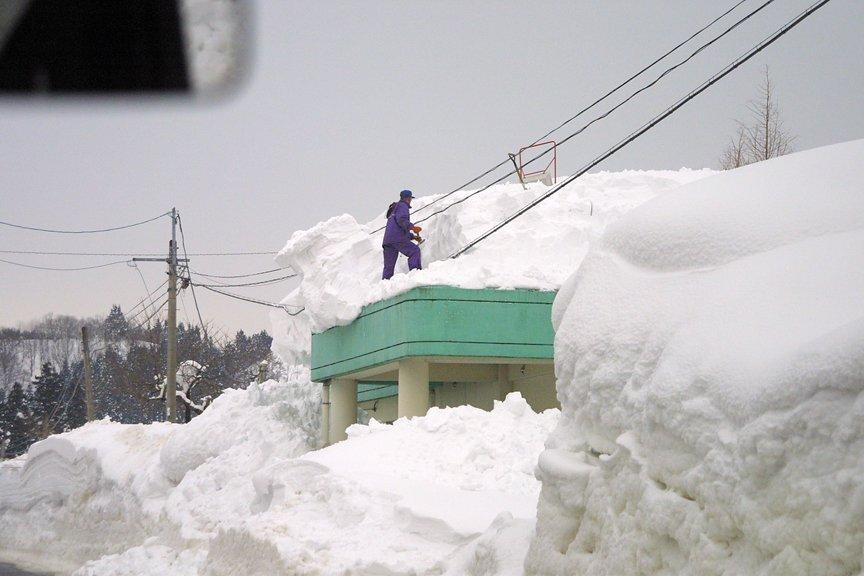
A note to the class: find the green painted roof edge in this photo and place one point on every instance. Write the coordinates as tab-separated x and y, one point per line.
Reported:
406	345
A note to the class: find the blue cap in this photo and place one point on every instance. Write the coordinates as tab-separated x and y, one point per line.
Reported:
406	194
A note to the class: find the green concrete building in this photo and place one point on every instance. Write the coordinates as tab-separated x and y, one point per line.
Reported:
436	346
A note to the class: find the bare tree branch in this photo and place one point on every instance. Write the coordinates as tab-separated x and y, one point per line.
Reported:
764	137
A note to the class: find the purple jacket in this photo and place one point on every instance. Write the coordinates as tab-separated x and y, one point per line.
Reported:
398	226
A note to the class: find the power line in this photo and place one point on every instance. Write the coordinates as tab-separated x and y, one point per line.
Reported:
150	254
256	301
152	314
640	72
95	231
656	120
189	276
144	282
582	111
143	301
610	111
64	269
130	319
239	275
259	283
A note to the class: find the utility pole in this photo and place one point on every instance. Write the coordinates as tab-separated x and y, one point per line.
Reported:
171	376
171	369
88	375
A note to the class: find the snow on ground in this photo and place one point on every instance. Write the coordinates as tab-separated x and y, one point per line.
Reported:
710	362
340	260
228	494
106	488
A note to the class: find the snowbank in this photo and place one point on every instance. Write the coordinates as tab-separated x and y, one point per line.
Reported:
106	488
450	492
391	500
710	363
340	259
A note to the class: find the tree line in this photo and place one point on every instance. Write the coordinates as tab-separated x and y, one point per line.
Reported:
41	372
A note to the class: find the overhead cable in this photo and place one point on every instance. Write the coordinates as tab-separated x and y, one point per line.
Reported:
130	319
152	314
188	274
284	307
148	296
64	269
585	109
94	231
653	122
584	127
259	283
261	273
152	254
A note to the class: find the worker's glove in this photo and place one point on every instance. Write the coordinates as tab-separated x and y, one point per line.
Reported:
416	229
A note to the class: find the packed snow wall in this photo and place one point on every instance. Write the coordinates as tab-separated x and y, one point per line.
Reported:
340	260
710	363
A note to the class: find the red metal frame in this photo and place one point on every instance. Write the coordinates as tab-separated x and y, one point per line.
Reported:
553	162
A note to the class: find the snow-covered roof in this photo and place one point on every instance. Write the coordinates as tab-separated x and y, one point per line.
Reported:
340	260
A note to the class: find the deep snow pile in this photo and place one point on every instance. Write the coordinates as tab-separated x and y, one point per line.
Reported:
340	260
710	363
450	492
107	488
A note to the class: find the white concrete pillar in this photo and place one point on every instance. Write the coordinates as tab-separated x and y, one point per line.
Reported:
413	387
343	408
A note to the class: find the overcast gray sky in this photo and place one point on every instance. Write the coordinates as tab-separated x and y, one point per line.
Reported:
347	103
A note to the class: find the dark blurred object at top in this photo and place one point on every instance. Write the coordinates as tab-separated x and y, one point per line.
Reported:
119	46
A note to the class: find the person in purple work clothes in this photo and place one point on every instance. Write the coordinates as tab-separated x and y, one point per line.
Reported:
398	235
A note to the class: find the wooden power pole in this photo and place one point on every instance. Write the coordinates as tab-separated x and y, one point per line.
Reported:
88	375
171	377
171	368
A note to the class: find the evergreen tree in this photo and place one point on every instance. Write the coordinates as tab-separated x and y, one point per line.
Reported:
45	400
15	423
74	411
115	327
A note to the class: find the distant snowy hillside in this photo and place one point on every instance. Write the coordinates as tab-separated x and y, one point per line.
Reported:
341	262
710	362
21	359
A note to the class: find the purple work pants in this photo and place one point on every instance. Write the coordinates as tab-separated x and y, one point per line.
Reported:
391	254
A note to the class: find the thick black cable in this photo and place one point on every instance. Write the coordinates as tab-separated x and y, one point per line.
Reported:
668	71
64	269
639	73
586	108
662	75
95	231
256	301
656	120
